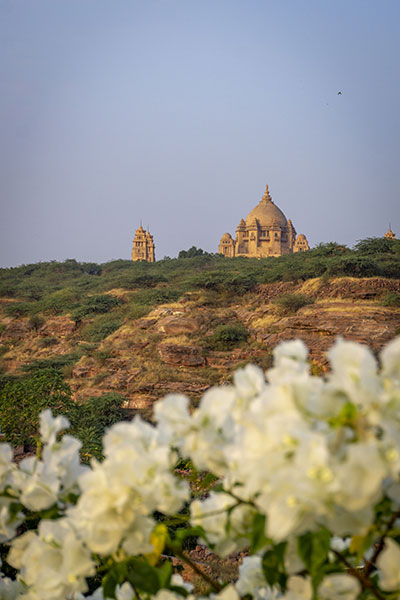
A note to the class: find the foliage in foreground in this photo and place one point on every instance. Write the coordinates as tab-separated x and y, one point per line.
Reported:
23	398
308	472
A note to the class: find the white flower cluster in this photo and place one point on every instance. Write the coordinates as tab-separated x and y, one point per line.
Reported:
302	450
303	453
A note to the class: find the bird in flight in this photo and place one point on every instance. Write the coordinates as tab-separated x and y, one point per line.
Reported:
339	94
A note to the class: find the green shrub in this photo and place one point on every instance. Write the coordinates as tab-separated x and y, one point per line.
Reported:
227	336
146	280
48	341
93	416
137	311
375	245
391	299
60	301
232	283
102	326
55	363
291	303
152	297
95	305
353	266
191	253
36	322
2	327
18	309
23	399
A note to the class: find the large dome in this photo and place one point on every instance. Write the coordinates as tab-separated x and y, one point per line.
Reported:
267	213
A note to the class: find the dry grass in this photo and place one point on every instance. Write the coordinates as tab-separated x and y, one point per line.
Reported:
311	285
264	321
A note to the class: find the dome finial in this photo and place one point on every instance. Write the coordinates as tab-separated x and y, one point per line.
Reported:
267	195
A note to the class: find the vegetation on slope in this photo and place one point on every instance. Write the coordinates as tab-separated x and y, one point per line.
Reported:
99	299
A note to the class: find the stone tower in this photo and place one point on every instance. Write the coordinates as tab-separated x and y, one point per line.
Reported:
266	232
143	246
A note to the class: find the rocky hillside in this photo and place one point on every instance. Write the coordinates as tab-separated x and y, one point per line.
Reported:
197	340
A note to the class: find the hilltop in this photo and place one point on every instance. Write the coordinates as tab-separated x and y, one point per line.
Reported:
140	330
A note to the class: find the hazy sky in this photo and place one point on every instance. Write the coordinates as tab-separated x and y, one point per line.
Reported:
178	112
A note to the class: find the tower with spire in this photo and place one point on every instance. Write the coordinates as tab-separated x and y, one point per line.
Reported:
143	246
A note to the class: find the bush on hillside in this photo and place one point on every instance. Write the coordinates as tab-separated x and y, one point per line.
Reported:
22	399
291	303
59	302
95	305
92	417
101	327
192	252
375	245
17	309
226	337
353	266
391	299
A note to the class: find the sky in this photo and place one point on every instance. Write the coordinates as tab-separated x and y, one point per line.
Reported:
177	113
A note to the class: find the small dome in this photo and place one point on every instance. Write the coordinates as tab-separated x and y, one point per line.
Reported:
301	237
226	236
267	213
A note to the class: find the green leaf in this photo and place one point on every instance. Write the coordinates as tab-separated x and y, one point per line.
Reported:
179	590
273	565
142	576
165	574
258	538
313	549
109	583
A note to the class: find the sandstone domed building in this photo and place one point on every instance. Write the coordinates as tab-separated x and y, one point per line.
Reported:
389	235
266	232
143	246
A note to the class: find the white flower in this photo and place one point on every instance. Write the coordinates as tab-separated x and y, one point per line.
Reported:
359	477
39	484
290	362
53	564
249	382
120	494
388	563
172	417
9	589
390	358
340	544
229	532
251	576
339	586
228	593
354	371
124	592
50	426
180	582
298	588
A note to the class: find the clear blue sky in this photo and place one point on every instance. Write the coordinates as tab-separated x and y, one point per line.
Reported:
178	112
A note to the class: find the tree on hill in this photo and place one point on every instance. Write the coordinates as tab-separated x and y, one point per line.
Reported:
192	252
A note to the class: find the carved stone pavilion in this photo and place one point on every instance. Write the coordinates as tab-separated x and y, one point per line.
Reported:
266	232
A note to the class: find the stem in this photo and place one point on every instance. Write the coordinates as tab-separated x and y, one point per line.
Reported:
380	544
364	580
136	592
214	584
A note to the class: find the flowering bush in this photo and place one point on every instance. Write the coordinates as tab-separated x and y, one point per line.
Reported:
308	482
